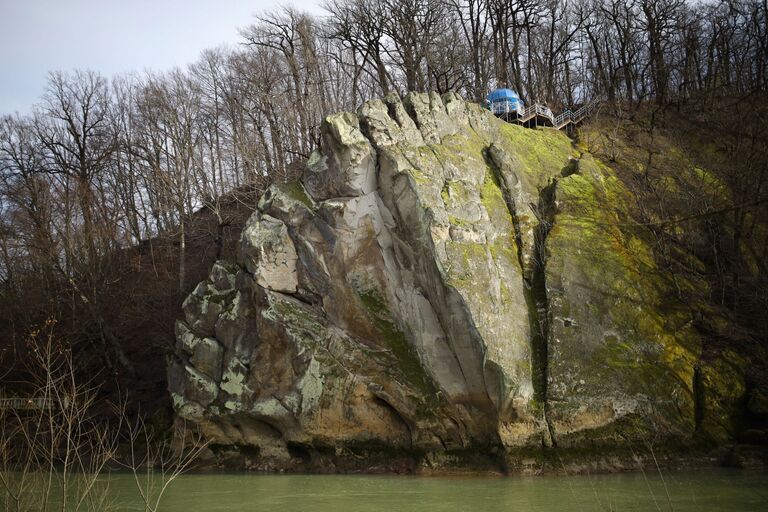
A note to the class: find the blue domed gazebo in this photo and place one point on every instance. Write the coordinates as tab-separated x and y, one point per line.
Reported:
504	101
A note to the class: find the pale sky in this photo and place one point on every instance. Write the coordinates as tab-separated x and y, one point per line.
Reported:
111	37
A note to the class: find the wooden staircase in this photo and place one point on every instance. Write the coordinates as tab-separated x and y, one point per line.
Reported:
541	115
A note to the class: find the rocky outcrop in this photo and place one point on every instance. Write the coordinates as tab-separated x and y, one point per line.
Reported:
439	286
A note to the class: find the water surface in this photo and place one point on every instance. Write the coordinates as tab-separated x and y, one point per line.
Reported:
700	491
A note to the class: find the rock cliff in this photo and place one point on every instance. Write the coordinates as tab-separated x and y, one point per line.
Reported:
440	286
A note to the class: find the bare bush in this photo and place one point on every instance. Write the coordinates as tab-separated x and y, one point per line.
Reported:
59	442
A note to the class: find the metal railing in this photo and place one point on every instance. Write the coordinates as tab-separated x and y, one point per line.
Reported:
539	110
504	107
21	404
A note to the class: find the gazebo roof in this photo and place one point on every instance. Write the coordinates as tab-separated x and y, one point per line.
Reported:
503	95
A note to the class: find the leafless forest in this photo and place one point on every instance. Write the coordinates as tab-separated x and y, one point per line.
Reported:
116	193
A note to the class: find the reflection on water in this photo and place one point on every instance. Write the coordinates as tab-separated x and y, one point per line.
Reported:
698	491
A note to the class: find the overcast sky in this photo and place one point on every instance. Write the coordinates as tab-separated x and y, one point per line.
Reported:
111	36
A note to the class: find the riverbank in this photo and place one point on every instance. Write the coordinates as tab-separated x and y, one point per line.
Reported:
529	462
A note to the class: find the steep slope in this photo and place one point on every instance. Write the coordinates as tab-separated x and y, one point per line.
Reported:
443	288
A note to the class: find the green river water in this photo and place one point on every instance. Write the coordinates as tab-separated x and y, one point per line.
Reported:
698	491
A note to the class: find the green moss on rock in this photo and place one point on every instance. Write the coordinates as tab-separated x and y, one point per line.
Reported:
295	190
408	361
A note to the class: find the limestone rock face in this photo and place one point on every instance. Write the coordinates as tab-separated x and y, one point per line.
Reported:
439	282
267	252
